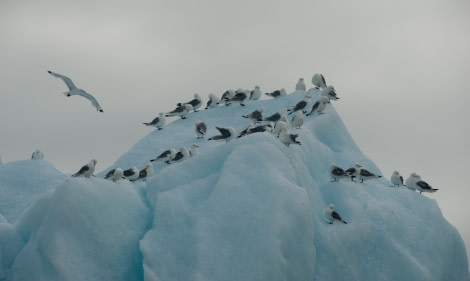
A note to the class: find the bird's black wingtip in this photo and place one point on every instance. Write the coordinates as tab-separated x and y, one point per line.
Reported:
49	71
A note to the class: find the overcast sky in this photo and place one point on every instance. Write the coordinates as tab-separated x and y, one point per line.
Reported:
401	69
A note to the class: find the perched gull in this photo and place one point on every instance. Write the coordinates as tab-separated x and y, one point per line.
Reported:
201	129
226	96
193	150
396	179
181	155
276	116
258	129
239	97
37	155
319	81
114	175
255	94
158	122
86	170
180	111
300	86
277	93
319	106
329	92
131	174
336	173
354	171
411	180
75	91
212	102
256	115
287	138
366	175
226	134
423	186
301	105
331	215
281	124
145	173
245	131
297	120
195	103
165	155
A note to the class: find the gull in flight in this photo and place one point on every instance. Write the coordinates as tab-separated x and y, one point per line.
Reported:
75	91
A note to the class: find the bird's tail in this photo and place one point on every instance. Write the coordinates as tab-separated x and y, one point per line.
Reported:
344	222
145	124
435	189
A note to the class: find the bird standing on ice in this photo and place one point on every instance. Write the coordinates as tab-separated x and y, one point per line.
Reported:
300	86
319	106
256	115
423	186
75	91
297	120
226	134
287	138
396	179
145	173
195	103
329	92
181	155
86	170
336	173
158	122
301	105
180	111
212	102
319	81
131	174
331	215
366	175
165	155
114	175
276	116
201	129
277	93
255	94
37	155
411	180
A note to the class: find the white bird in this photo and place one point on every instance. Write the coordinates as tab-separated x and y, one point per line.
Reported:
165	155
256	115
131	174
297	120
180	111
114	175
287	138
423	186
396	179
411	180
255	94
239	97
145	173
212	102
226	134
366	175
319	81
336	173
75	91
277	93
331	215
86	170
276	116
300	86
181	155
195	103
301	105
329	92
280	125
201	129
37	155
319	106
193	151
157	122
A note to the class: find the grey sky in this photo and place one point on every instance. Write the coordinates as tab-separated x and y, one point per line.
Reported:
401	69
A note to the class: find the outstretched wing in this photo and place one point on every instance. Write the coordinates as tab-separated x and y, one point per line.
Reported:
224	132
67	80
92	99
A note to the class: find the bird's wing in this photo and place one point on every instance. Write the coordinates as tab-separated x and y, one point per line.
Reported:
366	173
82	170
323	79
225	132
67	80
92	99
336	216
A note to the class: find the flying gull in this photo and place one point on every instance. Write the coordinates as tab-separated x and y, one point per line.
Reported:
319	81
319	106
114	175
226	134
301	105
180	111
277	93
396	179
158	122
75	91
300	86
86	170
195	103
336	173
331	215
201	129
